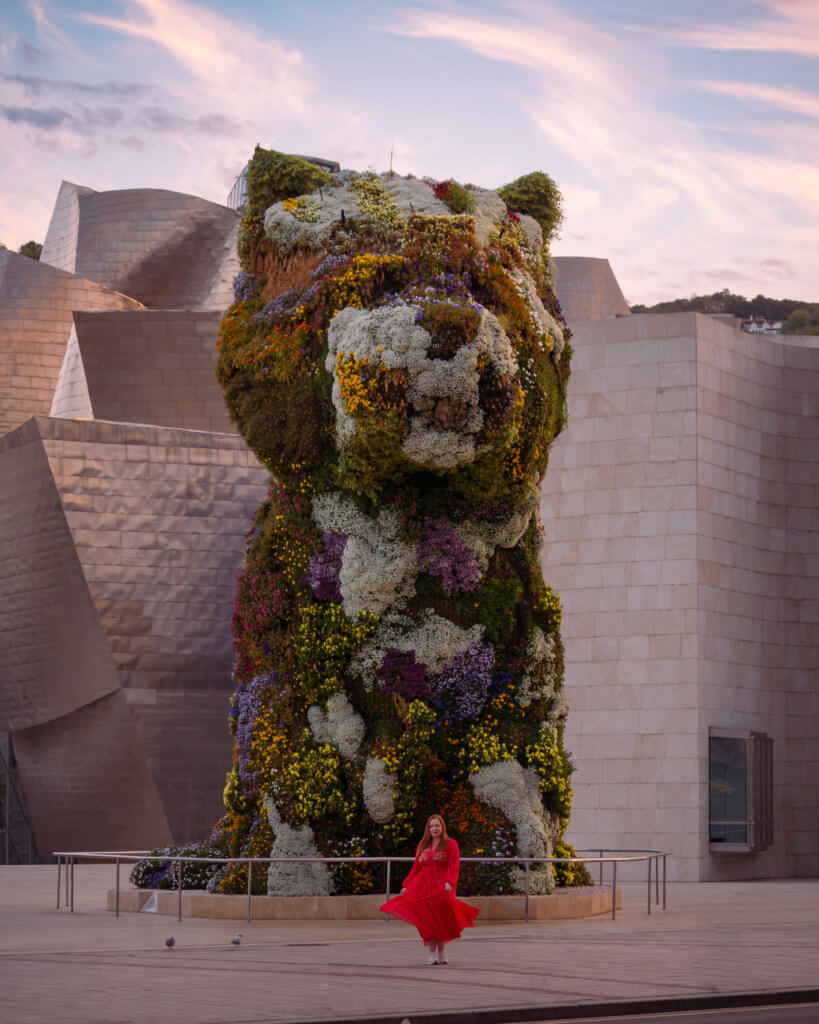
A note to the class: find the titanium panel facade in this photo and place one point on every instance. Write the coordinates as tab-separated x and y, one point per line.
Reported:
129	538
36	304
147	366
167	249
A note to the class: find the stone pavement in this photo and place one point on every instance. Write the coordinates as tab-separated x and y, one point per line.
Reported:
91	967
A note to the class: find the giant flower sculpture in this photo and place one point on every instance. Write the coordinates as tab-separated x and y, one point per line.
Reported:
397	358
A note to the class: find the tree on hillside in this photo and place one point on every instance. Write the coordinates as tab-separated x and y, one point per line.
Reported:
31	249
726	301
802	321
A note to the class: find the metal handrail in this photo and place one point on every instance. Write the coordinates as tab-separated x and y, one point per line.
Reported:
8	770
129	856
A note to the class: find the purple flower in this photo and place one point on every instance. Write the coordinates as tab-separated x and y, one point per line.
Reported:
401	673
442	553
278	309
247	704
325	568
461	690
244	286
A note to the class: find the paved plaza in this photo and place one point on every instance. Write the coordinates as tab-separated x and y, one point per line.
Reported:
91	967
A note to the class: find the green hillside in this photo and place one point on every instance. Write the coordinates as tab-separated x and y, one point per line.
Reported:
797	316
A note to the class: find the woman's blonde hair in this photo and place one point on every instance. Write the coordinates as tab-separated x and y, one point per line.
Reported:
426	838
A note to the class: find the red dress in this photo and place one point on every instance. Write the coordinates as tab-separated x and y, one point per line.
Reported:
436	913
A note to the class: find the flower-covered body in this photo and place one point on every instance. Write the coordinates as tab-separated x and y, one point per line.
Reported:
396	357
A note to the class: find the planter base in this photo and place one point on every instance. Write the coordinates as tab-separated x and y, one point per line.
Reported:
582	901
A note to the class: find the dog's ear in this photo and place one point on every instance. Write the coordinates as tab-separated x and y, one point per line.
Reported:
537	195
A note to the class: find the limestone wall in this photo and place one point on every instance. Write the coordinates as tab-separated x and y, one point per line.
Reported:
620	518
680	509
758	459
588	290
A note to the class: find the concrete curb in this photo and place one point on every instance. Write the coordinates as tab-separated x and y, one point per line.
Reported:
581	1011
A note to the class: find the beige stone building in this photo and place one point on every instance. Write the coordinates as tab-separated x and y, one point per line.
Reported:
680	510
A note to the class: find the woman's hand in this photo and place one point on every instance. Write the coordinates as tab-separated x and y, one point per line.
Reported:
402	892
447	887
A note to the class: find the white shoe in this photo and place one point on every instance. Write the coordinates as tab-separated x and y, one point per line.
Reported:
442	957
432	959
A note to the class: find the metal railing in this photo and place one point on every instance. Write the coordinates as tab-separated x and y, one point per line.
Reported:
15	827
119	857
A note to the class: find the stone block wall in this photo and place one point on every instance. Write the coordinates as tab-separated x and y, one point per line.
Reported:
588	290
758	459
677	508
620	517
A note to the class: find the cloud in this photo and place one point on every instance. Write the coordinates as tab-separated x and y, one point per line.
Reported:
792	101
225	56
158	119
784	26
642	177
35	85
32	54
51	118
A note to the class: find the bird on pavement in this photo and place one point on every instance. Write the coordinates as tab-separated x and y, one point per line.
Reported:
236	941
170	943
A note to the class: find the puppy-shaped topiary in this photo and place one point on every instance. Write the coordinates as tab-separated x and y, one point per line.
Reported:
397	358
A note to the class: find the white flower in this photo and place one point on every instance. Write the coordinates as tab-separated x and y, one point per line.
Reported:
435	641
540	656
392	337
544	321
378	569
289	231
307	879
489	212
482	537
378	790
340	724
515	792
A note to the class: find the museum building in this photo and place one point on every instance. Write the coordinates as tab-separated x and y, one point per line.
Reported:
679	510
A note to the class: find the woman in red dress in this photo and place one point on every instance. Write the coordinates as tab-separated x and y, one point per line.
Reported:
427	899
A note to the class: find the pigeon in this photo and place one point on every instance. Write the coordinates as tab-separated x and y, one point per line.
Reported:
236	941
170	943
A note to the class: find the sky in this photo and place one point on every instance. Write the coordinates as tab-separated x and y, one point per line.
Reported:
684	136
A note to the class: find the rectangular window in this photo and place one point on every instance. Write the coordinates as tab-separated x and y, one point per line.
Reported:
740	791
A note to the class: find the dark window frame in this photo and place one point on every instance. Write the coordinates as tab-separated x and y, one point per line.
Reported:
758	793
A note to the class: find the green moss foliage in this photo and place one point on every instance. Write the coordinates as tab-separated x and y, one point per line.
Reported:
273	176
537	195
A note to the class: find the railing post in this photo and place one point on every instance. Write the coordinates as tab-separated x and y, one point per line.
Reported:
59	867
179	891
527	892
657	880
71	889
116	901
613	889
648	861
665	868
601	867
389	880
249	891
